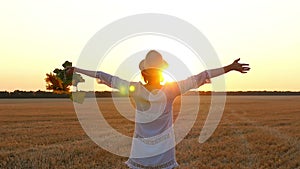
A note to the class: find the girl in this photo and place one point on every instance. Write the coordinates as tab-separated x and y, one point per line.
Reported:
153	142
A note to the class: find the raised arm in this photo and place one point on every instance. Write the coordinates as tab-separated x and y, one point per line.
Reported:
90	73
104	78
196	81
240	67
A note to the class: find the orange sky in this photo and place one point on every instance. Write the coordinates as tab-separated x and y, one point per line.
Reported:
37	37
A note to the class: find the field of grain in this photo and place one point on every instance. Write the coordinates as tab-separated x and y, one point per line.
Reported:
254	132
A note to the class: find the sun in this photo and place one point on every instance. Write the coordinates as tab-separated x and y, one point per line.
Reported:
167	78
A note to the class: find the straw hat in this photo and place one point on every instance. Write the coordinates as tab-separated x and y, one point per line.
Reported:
153	59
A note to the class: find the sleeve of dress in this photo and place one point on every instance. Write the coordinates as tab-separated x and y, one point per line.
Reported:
115	82
193	82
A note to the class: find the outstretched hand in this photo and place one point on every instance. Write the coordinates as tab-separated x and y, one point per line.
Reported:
70	70
241	67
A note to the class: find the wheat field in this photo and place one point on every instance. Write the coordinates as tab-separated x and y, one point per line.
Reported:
254	132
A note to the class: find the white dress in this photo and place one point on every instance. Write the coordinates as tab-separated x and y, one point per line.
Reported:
153	145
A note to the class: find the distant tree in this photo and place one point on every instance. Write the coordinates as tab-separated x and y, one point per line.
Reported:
59	81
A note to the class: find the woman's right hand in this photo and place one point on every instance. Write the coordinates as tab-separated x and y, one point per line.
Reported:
241	67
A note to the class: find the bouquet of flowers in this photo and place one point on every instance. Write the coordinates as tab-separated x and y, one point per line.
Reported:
60	81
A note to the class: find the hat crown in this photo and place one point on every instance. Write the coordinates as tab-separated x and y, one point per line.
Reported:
153	59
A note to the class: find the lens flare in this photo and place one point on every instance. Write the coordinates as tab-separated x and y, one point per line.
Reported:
131	88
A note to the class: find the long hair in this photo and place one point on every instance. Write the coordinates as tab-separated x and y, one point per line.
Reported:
152	75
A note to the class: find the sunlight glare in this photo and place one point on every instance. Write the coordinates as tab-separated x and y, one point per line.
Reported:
167	78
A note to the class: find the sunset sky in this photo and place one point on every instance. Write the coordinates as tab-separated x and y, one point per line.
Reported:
38	36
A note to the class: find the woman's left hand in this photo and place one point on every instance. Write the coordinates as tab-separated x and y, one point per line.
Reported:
70	70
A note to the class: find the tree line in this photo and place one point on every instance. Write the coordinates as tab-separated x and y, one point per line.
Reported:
46	94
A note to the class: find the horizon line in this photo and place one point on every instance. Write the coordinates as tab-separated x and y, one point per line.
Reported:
188	91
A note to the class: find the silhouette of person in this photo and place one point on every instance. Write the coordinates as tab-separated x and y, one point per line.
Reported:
153	145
